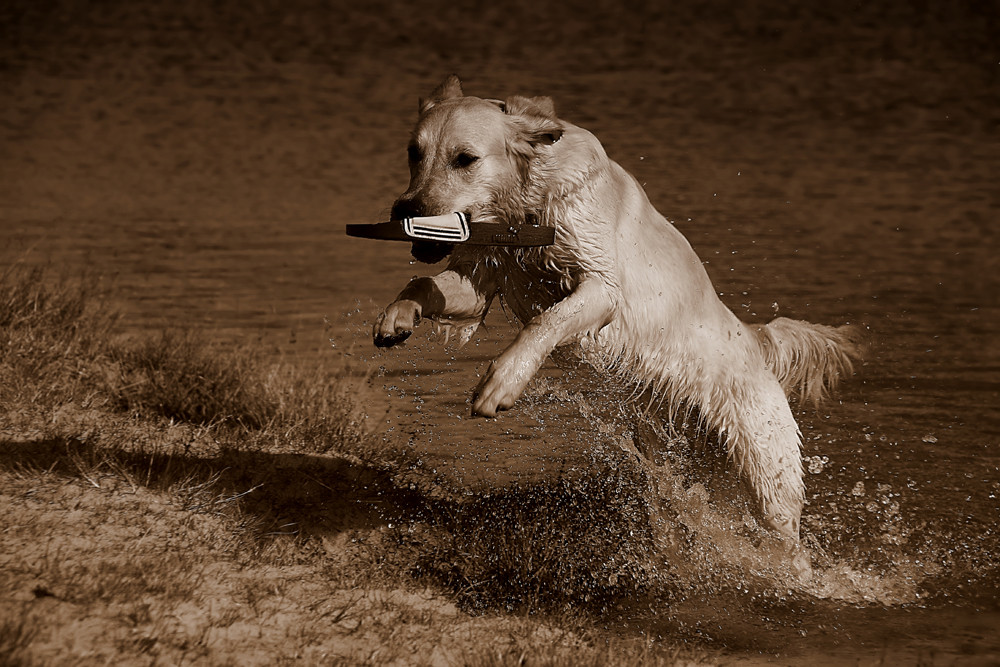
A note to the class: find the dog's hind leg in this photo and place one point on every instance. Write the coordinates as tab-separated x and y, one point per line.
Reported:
764	442
588	308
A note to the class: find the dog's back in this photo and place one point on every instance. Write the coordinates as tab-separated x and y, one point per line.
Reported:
668	304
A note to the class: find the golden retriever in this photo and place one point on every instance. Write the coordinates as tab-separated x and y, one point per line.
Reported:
620	280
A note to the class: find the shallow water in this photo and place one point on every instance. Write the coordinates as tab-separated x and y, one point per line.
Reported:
829	168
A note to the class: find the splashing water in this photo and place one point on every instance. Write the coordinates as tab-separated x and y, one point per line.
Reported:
867	545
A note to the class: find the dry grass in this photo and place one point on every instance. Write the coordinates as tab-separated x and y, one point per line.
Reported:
53	337
167	501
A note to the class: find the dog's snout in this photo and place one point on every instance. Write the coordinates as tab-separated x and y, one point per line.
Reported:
407	208
429	252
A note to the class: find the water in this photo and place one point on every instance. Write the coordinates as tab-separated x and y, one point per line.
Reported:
829	168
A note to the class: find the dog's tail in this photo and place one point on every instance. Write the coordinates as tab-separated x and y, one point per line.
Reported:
810	359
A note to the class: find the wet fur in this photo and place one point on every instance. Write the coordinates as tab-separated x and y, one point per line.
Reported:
619	280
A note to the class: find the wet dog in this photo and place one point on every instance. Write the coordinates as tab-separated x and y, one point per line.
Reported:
620	280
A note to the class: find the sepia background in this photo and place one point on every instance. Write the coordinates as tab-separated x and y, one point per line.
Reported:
836	164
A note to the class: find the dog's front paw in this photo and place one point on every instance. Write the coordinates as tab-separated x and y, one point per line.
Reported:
501	385
396	323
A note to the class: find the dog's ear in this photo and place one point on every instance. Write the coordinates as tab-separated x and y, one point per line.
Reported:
536	118
543	107
449	88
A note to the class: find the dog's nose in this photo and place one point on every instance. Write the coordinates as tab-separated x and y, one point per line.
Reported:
406	208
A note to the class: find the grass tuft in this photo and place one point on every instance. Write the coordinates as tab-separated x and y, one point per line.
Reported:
54	337
177	376
59	349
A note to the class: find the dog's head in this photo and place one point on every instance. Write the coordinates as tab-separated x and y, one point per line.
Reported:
466	153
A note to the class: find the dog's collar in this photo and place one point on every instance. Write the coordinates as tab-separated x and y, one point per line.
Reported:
455	228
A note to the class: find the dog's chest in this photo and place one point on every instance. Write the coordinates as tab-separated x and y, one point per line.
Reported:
530	287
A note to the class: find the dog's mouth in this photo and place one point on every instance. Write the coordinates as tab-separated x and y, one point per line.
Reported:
430	252
438	231
434	237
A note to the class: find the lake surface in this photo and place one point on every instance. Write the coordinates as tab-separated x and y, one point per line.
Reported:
824	167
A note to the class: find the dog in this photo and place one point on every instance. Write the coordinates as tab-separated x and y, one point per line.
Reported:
619	280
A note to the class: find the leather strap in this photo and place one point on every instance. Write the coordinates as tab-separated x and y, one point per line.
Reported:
480	233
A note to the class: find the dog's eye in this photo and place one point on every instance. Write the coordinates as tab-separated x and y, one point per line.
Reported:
413	154
464	160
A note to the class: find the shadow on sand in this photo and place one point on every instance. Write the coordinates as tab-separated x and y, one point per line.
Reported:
302	493
581	538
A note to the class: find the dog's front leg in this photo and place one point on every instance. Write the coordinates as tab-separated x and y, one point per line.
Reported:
588	308
450	295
